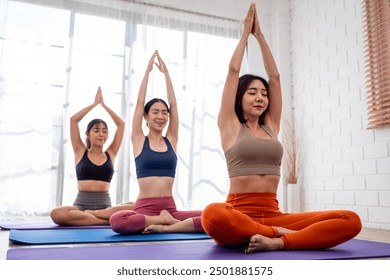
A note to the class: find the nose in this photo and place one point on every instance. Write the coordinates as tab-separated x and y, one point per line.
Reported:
259	97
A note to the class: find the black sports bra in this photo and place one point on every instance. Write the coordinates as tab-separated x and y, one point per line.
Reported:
87	170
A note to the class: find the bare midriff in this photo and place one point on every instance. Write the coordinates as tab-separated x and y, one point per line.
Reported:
93	186
155	187
254	183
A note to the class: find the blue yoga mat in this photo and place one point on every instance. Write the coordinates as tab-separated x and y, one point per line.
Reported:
208	250
41	224
68	236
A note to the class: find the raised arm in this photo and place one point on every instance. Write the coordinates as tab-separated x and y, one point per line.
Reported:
137	134
120	128
273	116
173	127
77	144
228	122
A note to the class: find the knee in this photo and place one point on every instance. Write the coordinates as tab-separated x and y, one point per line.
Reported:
356	224
59	216
215	214
117	220
127	221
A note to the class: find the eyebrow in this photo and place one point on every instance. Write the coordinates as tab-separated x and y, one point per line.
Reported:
256	88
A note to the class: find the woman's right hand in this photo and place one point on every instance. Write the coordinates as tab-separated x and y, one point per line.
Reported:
249	19
151	62
98	97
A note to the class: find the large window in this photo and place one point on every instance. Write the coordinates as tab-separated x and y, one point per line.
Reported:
51	62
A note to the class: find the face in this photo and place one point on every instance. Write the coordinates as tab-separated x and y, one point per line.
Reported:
255	100
98	134
157	116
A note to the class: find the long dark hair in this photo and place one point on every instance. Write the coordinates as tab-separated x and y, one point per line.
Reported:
90	125
243	84
151	102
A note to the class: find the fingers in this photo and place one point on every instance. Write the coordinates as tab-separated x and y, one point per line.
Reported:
99	96
249	19
151	62
161	64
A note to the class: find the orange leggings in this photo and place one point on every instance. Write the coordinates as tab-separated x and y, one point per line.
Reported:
246	214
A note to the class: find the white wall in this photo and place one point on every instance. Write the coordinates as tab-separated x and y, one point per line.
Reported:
345	165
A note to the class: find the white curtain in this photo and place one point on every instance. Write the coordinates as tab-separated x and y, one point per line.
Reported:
53	56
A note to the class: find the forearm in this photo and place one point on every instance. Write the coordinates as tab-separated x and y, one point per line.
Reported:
238	55
81	114
143	88
117	120
269	61
170	91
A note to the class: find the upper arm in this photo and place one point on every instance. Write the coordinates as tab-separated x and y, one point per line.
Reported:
228	122
273	116
173	127
117	141
227	112
136	127
77	144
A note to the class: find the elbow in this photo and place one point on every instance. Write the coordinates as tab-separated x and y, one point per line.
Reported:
234	67
274	76
121	122
74	120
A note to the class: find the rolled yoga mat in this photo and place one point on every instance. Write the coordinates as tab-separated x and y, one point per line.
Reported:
69	236
208	250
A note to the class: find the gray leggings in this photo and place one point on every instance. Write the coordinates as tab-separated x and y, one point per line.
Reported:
92	200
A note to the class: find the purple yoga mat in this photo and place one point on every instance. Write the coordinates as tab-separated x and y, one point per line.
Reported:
40	224
353	249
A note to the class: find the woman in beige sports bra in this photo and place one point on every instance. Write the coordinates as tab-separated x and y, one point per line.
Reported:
249	122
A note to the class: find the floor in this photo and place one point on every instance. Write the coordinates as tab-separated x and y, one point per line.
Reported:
366	234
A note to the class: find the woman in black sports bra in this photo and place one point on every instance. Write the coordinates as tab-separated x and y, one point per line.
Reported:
94	170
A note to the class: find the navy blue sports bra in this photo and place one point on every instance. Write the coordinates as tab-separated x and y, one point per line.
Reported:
87	170
150	163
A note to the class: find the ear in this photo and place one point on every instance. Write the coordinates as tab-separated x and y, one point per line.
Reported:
146	119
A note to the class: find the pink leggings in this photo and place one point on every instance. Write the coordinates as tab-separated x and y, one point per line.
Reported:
243	215
132	221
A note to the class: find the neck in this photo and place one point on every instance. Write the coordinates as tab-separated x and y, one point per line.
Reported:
252	125
96	150
155	135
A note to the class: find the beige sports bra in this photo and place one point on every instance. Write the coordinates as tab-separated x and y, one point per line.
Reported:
254	156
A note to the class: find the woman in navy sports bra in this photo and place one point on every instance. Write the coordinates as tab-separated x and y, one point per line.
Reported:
155	159
249	122
94	170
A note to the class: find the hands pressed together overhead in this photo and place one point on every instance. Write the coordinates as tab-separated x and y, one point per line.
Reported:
160	65
251	23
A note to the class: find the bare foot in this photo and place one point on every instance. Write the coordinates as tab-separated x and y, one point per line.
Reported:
154	228
261	243
167	218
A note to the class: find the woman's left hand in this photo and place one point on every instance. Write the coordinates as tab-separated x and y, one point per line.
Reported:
161	65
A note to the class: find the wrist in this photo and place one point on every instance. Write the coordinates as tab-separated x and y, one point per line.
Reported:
259	36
